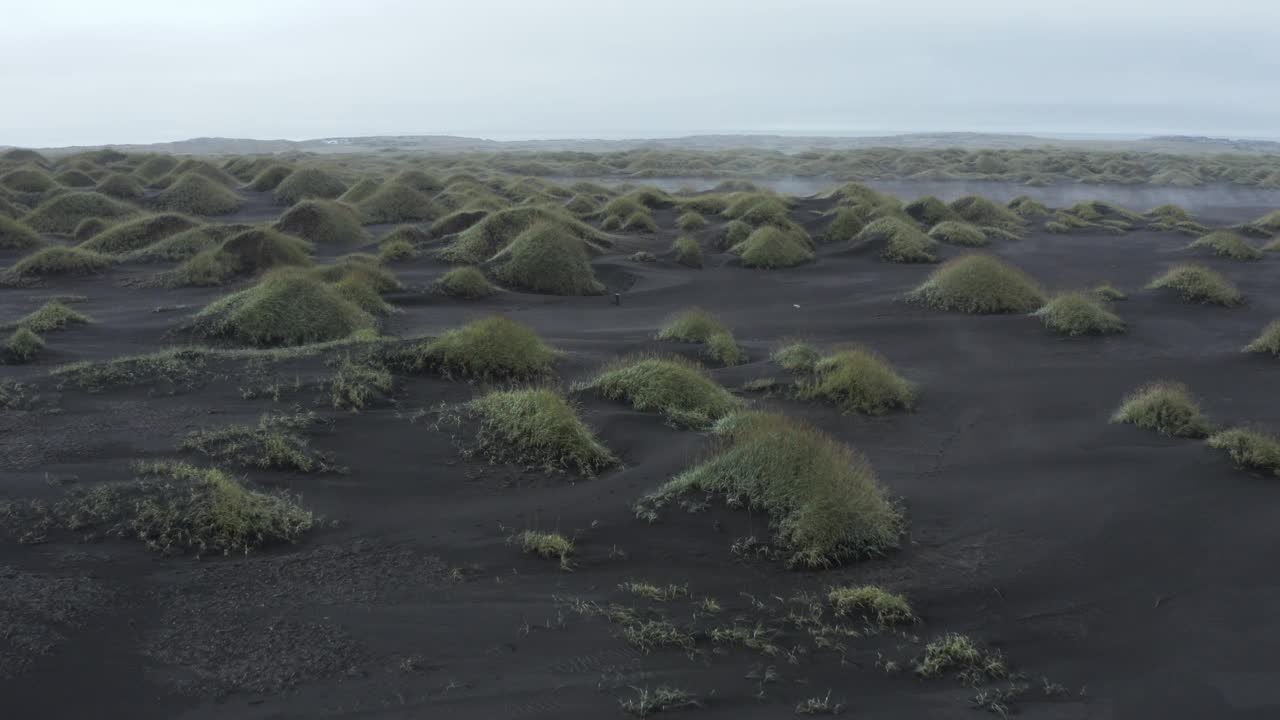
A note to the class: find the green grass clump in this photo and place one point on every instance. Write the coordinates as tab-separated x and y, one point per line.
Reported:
491	348
845	225
61	214
537	427
90	227
1227	244
1109	293
548	545
396	250
53	315
22	346
639	221
1101	211
694	325
465	282
691	221
735	233
901	241
324	222
1198	284
363	188
490	236
355	383
245	253
1027	207
193	166
361	279
873	603
179	508
269	178
1249	448
928	211
186	244
1170	212
307	183
1075	314
121	187
1057	227
757	208
155	167
1165	407
957	652
547	259
273	444
823	500
796	357
954	232
287	307
981	211
688	252
135	234
396	202
773	247
74	179
196	194
676	387
1273	246
59	260
1268	341
858	380
16	235
979	284
27	180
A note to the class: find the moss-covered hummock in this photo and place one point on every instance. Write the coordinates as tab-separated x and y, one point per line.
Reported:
22	346
245	253
269	178
493	234
396	202
53	315
121	187
979	284
823	500
27	180
954	232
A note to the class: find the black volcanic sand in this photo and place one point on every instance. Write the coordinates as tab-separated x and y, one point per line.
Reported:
1134	570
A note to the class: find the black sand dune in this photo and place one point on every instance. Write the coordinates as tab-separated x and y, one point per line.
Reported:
1134	572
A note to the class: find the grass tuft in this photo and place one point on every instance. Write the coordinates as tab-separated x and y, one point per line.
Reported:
691	221
873	603
491	348
537	427
273	444
1198	284
979	284
1074	314
547	259
355	383
688	252
1109	293
1268	341
1164	407
53	315
954	232
771	247
957	652
17	235
1227	244
22	346
287	307
60	260
673	386
548	545
796	357
1249	449
858	380
466	282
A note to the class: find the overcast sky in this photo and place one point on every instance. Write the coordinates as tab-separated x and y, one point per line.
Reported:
133	71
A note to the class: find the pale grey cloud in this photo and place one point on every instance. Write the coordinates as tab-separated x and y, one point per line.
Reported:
79	72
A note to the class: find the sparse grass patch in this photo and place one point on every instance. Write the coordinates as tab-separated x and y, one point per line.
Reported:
491	348
676	387
357	382
1227	244
60	260
858	380
178	367
53	315
979	284
873	603
287	307
959	653
1198	284
22	346
660	699
822	497
643	256
537	426
273	444
1249	448
1164	407
655	593
548	545
954	232
688	252
1075	314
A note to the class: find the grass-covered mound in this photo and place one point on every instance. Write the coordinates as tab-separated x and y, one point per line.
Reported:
491	348
1198	284
419	180
688	252
1227	244
1164	407
397	202
1076	313
141	232
735	233
490	236
981	211
1264	227
1108	292
307	183
27	180
823	499
23	155
59	260
180	508
796	356
757	208
324	222
928	211
691	221
773	247
270	178
639	221
874	604
858	380
1273	246
74	179
195	194
899	241
673	386
456	222
396	250
537	427
245	253
186	244
61	214
954	232
1249	449
1268	341
361	279
17	235
90	227
465	282
361	189
979	284
547	259
411	234
845	225
155	167
1025	206
121	186
53	315
22	346
696	325
193	166
287	307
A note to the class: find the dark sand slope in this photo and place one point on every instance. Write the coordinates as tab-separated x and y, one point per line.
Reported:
1135	571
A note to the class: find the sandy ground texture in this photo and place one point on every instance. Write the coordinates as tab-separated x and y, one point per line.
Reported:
1120	573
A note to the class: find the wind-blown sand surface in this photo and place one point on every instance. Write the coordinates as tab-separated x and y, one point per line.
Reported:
1136	571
